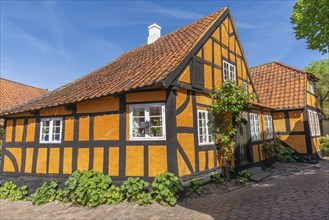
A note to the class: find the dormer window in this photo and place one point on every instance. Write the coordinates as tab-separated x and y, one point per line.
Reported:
228	71
312	90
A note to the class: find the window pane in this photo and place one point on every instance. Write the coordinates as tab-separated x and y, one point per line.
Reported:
139	126
156	121
155	111
156	132
139	112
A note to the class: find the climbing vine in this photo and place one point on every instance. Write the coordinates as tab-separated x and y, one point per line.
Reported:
228	102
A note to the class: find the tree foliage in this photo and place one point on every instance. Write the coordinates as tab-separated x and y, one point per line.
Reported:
311	22
320	68
228	102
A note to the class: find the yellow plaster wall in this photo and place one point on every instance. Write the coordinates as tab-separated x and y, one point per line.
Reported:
207	49
296	120
207	76
157	157
67	161
98	159
30	132
279	122
106	127
105	104
42	161
185	118
218	78
186	141
217	54
9	131
216	34
312	101
255	153
186	76
224	29
135	161
83	159
69	129
54	160
83	128
114	161
183	169
211	155
29	160
17	152
202	160
55	111
146	96
19	130
296	141
203	99
20	115
8	166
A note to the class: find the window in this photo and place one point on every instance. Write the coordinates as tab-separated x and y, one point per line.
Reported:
268	126
245	87
313	120
51	130
147	122
228	71
312	90
205	133
254	126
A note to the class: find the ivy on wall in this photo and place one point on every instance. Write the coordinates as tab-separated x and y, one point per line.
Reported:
228	102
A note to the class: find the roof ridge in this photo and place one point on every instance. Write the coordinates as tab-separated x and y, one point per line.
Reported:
23	84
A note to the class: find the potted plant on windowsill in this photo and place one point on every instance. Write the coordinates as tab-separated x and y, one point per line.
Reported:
270	149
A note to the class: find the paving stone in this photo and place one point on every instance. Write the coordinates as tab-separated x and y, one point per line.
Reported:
297	193
259	176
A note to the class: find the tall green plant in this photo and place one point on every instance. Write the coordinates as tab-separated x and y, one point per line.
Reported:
228	102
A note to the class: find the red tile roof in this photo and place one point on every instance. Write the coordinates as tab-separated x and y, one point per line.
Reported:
280	85
14	93
145	66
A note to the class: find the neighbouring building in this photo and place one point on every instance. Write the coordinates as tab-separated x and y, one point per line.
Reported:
297	111
145	113
14	93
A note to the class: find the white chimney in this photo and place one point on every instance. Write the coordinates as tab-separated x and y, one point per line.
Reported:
154	33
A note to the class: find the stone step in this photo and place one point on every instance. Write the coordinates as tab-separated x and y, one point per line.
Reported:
259	176
254	170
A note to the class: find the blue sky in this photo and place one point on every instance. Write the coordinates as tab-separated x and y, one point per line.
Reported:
50	43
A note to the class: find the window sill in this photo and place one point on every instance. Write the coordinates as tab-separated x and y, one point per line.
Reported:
50	142
147	139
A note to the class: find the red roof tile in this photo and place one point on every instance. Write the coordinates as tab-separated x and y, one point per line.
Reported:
280	85
14	93
145	66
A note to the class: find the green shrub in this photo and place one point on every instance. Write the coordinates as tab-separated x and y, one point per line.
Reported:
324	145
144	199
44	194
287	155
217	178
196	186
270	148
88	188
113	195
243	176
10	191
165	188
133	187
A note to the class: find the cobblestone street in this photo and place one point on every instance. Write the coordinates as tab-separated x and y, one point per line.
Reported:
301	195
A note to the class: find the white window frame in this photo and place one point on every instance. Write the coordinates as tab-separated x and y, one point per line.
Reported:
312	89
254	129
51	122
227	74
207	131
313	120
147	118
268	126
